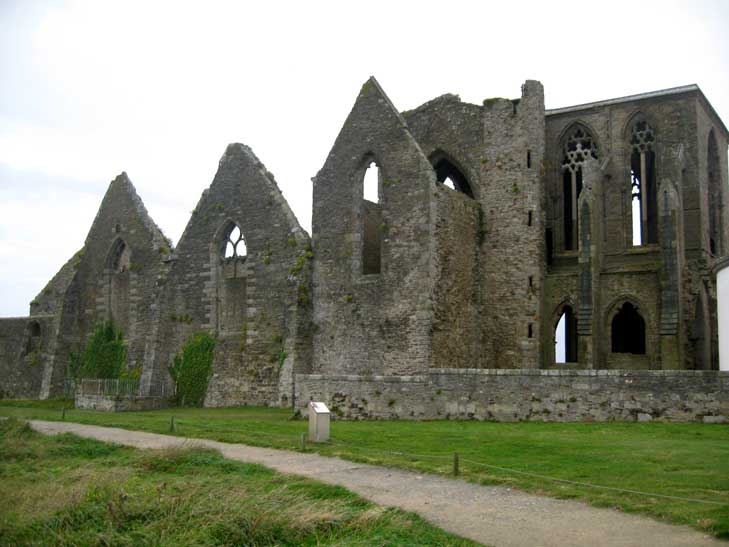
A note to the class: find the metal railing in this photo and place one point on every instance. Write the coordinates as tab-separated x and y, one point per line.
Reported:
125	388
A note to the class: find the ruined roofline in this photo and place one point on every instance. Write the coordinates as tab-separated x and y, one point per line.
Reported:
447	97
691	88
158	236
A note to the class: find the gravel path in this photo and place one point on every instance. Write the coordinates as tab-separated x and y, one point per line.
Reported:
488	514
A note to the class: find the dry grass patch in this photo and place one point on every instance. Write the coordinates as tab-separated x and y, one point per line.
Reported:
66	490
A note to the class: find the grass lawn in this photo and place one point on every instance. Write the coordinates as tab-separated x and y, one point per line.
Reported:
66	490
685	460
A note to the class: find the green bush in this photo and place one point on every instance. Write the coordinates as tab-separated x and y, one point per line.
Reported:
104	355
191	369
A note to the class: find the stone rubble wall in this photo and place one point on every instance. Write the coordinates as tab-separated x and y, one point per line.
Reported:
22	357
510	395
109	403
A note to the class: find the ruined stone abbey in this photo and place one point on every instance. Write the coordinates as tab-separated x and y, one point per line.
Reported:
451	245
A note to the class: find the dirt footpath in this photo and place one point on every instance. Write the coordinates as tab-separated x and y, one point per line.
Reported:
488	514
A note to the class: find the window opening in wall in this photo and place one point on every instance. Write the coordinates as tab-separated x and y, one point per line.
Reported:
635	211
372	183
120	257
643	184
531	281
628	331
372	226
565	337
448	174
529	159
119	268
714	180
34	336
235	245
530	331
578	148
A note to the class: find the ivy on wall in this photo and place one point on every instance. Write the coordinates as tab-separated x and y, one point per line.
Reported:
191	369
104	355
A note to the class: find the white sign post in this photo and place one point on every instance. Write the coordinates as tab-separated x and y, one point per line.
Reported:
318	422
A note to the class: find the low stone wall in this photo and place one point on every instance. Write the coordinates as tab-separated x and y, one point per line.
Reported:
525	394
111	403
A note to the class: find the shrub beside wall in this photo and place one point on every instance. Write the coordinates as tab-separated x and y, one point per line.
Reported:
191	369
104	355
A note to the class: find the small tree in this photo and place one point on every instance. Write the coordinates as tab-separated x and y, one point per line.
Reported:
191	369
104	355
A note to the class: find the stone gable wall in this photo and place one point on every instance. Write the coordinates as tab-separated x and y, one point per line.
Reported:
376	323
98	293
258	307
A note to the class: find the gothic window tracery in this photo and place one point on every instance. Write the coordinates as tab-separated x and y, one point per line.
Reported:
235	245
578	148
643	184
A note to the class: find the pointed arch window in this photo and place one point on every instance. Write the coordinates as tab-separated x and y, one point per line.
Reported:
578	148
643	184
565	337
232	274
628	331
120	257
371	219
449	175
118	280
371	190
714	181
234	244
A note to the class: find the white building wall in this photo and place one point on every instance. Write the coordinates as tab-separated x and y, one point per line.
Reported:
722	293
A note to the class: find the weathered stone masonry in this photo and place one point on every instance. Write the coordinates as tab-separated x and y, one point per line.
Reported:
495	229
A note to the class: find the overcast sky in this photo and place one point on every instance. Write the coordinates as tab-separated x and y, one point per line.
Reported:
158	89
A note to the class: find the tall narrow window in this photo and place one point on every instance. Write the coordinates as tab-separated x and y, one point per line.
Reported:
120	257
231	278
714	181
578	148
371	221
565	337
643	184
372	183
628	331
118	269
